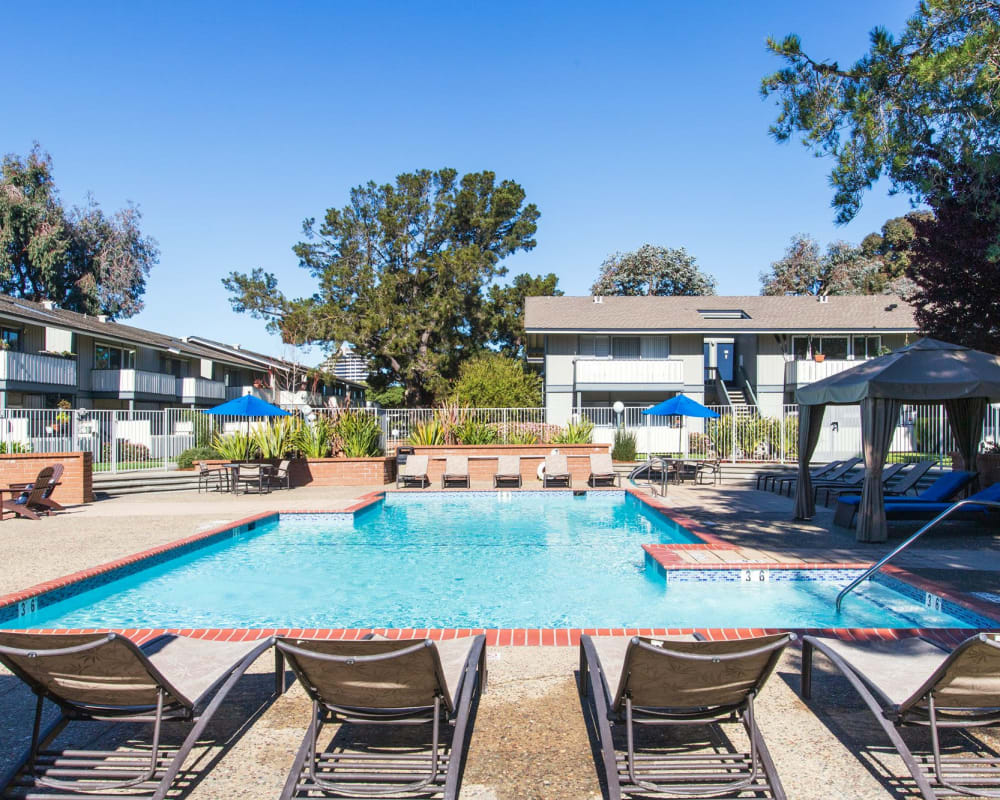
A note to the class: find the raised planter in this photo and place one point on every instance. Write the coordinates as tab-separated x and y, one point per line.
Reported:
333	471
483	459
988	465
76	484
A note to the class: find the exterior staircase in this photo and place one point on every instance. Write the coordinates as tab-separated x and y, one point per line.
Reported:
738	402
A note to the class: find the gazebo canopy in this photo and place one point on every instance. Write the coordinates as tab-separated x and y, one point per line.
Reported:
927	371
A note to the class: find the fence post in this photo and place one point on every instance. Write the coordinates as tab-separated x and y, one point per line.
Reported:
505	426
732	422
940	436
113	448
781	454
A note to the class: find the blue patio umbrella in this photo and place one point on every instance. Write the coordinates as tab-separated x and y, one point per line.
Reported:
681	406
248	406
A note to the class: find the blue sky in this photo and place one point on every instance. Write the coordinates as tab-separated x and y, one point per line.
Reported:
229	124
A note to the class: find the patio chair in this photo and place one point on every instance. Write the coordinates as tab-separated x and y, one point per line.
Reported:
30	505
508	471
46	498
764	477
456	471
413	471
253	475
852	484
103	677
556	471
836	474
212	478
280	474
946	488
912	682
679	683
602	471
383	682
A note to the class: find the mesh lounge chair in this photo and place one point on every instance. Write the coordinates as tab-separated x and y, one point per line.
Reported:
602	471
29	504
414	471
384	682
46	497
773	477
834	489
508	471
908	483
912	682
106	678
456	471
843	469
680	683
944	489
556	471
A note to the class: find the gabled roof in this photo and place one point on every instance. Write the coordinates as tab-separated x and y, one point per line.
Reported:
739	314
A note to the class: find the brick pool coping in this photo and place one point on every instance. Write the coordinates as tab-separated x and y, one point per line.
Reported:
665	555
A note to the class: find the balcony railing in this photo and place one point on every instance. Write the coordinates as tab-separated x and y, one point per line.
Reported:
200	388
654	372
133	381
37	368
802	373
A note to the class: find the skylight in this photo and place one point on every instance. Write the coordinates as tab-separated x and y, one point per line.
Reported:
723	313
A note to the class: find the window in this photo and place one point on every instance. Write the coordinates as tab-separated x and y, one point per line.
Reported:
11	339
107	356
800	347
805	347
867	346
625	347
594	346
173	366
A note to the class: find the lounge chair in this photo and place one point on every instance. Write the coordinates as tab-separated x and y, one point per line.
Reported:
456	471
678	682
29	504
945	488
912	682
773	477
834	475
104	677
908	483
252	475
508	471
403	682
602	471
46	498
413	472
280	475
908	508
556	471
853	483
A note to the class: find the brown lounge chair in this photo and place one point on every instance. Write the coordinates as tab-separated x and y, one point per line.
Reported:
556	471
680	682
912	682
31	503
602	471
508	471
46	498
414	471
103	677
456	471
374	682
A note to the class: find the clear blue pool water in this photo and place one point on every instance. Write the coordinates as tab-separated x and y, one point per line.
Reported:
461	560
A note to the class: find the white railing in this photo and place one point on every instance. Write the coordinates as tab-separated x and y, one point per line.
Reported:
631	371
200	388
133	381
37	368
802	373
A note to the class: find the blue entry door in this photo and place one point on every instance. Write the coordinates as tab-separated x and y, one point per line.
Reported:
725	354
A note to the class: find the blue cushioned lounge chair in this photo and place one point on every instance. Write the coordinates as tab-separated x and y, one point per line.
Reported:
940	493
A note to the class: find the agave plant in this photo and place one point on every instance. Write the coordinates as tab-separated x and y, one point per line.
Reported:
313	440
358	434
427	433
522	435
576	432
277	440
236	446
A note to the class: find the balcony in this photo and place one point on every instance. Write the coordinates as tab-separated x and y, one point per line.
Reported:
129	383
192	390
37	368
620	373
802	373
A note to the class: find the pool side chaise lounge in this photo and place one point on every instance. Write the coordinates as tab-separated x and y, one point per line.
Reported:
107	678
376	682
556	471
908	482
912	682
413	472
602	471
833	475
456	471
944	490
679	682
508	471
852	484
764	477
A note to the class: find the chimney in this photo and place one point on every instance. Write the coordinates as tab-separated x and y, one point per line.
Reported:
598	299
102	317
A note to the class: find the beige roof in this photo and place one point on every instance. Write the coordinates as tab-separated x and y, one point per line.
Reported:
752	314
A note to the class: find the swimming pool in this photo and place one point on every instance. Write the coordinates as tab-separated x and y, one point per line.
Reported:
467	560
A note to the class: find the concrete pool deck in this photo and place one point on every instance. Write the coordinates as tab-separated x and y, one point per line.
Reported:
530	740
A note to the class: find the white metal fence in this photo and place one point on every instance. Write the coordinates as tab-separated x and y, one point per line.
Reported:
152	440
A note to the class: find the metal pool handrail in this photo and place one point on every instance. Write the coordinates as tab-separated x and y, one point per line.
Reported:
940	517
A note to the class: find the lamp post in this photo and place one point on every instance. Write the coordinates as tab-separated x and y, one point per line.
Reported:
619	409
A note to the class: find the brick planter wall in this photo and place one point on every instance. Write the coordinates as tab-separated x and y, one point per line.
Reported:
77	482
483	459
336	471
988	465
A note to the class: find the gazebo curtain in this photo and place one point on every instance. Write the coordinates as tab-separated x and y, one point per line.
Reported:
879	417
966	416
810	424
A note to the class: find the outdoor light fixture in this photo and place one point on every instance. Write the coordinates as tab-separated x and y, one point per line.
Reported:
618	408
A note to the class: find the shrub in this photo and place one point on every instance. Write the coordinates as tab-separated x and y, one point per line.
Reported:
493	380
314	440
277	439
700	444
720	432
575	433
186	459
125	451
357	434
624	446
15	447
428	432
236	446
202	426
474	432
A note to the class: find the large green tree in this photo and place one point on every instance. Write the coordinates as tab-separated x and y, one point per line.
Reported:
652	270
913	109
402	272
505	309
493	380
80	258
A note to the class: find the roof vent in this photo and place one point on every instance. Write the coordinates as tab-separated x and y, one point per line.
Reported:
49	304
235	346
598	299
102	317
823	298
892	306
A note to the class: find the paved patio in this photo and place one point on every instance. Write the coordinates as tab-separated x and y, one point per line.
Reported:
530	740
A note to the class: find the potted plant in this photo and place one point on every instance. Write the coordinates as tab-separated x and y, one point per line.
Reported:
819	358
